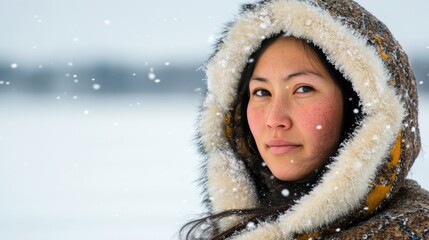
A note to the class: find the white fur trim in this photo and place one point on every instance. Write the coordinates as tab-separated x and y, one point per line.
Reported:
228	183
348	180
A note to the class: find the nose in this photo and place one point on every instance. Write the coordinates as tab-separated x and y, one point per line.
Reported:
279	115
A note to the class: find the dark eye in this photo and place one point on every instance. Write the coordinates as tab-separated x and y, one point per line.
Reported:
304	89
261	92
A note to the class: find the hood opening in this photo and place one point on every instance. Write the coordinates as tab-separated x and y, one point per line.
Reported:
268	188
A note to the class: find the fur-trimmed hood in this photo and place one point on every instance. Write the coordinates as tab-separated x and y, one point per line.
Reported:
372	164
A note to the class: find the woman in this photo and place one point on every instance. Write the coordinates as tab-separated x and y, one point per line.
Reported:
309	128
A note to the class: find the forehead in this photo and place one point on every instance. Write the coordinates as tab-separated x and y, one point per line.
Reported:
289	52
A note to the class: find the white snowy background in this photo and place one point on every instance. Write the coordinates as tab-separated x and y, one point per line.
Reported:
123	166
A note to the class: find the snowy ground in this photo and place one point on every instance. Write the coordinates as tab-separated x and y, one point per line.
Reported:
106	168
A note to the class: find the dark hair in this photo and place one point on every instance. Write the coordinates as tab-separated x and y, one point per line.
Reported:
271	201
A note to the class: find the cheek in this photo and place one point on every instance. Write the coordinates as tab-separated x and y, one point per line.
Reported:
255	119
324	122
252	119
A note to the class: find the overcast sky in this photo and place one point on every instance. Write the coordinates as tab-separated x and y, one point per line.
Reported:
162	30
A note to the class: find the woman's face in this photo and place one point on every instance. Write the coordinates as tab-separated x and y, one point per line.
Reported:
295	110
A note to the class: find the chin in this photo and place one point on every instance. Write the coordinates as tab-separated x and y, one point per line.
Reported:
289	177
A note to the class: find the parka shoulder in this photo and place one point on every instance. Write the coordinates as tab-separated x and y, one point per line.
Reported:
405	217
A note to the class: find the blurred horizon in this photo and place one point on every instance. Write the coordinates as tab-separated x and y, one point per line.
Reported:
109	77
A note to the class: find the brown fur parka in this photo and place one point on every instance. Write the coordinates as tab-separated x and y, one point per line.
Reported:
364	193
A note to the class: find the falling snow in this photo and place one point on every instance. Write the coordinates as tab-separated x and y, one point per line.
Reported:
251	225
211	39
151	75
285	192
96	86
37	19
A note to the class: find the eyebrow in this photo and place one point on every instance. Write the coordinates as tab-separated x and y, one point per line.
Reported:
290	76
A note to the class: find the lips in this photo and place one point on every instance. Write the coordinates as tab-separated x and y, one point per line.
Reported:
281	146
